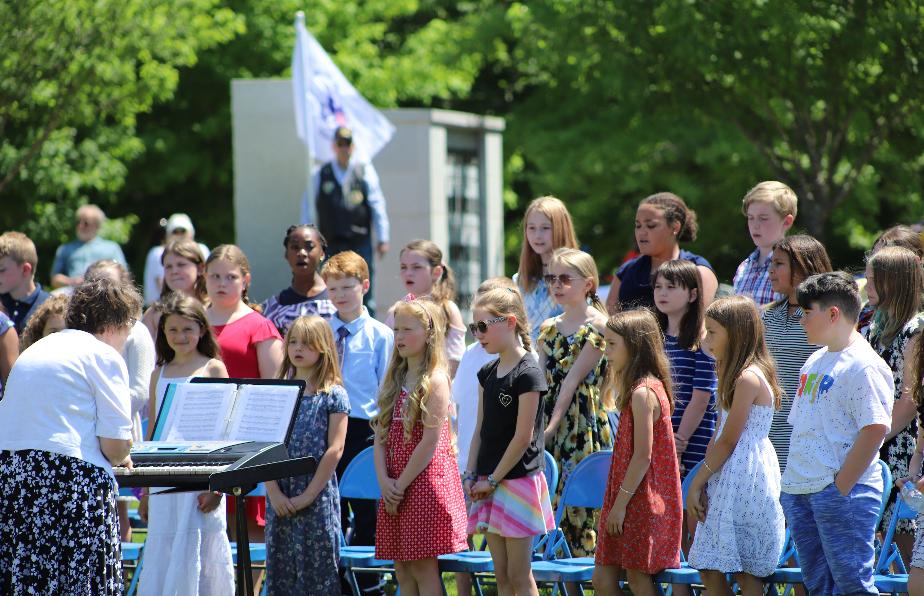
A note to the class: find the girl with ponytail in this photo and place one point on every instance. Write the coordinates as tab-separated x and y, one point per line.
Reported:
570	350
426	275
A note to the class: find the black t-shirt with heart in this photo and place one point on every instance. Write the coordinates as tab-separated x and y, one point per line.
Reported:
500	405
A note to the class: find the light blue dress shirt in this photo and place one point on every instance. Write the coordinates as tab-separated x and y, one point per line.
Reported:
365	361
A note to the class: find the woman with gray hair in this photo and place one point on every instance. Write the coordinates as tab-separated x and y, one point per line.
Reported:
64	422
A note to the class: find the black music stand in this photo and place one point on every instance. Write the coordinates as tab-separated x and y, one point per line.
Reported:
294	467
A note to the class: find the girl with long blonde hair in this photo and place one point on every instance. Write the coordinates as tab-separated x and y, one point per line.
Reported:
422	511
570	350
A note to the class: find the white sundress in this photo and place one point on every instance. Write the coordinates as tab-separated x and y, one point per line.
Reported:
187	552
744	527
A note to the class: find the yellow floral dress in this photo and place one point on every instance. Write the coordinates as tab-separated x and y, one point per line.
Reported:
584	429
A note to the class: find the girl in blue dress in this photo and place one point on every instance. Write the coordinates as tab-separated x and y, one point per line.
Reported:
303	520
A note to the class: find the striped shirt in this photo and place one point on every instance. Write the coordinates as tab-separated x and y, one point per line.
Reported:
691	369
790	349
752	279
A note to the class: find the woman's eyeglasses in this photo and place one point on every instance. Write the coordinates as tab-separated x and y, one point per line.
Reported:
564	279
482	326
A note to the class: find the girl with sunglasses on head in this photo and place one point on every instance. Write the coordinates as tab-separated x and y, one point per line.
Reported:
571	353
305	248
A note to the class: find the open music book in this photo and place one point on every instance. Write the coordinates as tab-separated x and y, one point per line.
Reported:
233	410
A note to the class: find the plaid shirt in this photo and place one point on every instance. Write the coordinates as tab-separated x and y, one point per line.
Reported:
753	280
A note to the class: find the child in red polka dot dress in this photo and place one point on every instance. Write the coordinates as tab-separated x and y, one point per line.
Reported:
421	514
640	524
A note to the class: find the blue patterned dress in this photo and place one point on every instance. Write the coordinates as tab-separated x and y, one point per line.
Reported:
302	551
539	306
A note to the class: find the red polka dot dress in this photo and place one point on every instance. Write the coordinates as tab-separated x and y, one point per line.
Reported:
650	541
431	520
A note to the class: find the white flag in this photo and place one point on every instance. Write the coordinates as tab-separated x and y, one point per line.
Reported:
324	100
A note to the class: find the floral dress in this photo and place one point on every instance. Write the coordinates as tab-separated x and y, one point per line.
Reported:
585	427
303	550
897	451
744	527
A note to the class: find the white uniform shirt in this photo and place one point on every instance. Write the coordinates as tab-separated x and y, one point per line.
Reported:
64	392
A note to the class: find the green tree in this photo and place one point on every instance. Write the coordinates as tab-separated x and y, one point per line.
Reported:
396	52
615	100
74	76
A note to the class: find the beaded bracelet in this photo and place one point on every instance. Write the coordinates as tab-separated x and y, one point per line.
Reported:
705	465
627	492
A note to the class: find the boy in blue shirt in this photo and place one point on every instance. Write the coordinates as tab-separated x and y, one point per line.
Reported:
832	486
364	346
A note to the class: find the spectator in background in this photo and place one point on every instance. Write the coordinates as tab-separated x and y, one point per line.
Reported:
179	226
19	294
349	204
73	258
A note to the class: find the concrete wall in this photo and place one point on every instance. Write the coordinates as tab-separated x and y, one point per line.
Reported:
271	173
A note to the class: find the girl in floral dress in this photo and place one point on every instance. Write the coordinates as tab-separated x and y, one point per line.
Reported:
303	520
641	518
735	495
421	514
571	352
893	286
546	227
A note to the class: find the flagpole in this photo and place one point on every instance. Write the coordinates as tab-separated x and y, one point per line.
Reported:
309	210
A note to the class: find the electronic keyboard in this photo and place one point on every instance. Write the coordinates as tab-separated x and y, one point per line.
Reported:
210	465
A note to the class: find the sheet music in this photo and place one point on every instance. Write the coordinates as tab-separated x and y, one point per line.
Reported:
198	412
263	413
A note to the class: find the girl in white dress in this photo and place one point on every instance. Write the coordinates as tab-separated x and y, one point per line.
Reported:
741	524
187	551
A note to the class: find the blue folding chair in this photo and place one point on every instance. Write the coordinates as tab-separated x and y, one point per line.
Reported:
480	561
132	552
887	580
359	482
585	487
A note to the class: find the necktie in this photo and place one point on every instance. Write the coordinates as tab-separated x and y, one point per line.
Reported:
342	334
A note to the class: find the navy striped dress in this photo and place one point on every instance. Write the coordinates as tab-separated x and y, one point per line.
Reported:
691	369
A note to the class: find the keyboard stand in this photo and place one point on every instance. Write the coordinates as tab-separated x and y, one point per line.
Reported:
244	569
265	472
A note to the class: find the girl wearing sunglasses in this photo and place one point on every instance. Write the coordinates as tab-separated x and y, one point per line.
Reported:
504	477
571	352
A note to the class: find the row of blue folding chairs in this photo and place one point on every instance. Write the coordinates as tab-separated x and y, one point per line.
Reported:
585	487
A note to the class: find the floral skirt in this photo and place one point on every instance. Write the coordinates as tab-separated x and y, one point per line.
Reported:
59	530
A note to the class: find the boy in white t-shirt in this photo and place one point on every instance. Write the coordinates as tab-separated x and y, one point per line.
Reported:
832	486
